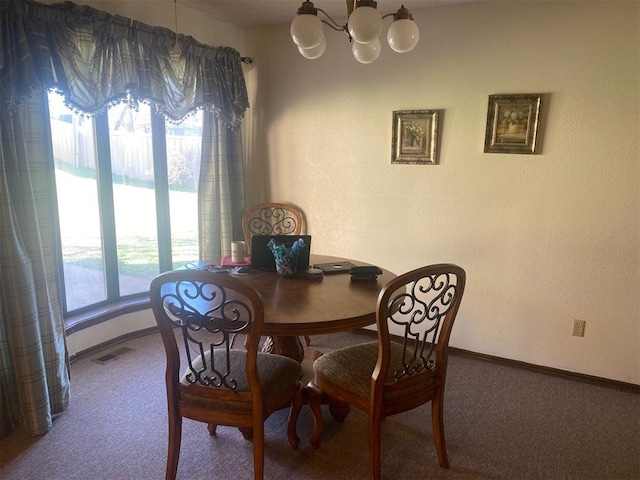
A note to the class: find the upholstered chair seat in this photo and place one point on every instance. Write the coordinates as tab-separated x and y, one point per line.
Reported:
350	369
278	376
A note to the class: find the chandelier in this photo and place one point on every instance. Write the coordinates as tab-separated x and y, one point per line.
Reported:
363	29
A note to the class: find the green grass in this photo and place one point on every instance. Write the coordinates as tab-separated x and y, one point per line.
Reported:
137	256
137	249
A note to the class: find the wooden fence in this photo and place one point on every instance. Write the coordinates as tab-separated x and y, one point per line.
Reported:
131	152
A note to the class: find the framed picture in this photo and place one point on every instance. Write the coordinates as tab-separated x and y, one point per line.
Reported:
415	137
512	123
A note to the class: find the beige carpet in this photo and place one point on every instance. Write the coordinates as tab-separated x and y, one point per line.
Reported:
501	423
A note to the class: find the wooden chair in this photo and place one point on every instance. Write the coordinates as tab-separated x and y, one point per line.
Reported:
197	313
387	377
272	219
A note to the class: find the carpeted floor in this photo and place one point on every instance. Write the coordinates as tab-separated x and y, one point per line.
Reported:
501	423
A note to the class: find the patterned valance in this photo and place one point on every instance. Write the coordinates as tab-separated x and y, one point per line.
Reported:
96	59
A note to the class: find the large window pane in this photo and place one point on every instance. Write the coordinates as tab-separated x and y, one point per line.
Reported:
127	199
184	144
78	207
133	197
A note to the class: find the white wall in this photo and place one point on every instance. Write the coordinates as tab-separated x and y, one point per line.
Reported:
114	328
545	238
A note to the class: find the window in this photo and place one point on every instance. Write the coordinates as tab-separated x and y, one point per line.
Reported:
127	200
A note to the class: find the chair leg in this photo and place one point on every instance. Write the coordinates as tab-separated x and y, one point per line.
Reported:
375	438
212	427
437	420
175	438
307	340
339	410
314	397
258	450
294	412
247	432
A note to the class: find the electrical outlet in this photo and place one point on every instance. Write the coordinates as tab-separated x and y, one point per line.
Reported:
578	328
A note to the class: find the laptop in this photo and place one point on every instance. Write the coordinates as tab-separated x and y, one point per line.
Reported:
262	257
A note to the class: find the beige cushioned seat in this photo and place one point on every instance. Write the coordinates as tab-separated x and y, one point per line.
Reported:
276	371
350	368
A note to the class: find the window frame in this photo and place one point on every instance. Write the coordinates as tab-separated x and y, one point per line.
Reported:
116	304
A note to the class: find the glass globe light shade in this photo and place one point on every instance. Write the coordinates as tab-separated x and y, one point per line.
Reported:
314	52
365	24
366	52
306	31
403	35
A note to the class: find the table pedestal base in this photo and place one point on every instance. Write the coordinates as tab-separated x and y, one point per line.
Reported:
288	346
292	348
338	410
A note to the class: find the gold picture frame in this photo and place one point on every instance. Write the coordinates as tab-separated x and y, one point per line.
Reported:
414	137
512	123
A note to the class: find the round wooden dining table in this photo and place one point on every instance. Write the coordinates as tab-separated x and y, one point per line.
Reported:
301	306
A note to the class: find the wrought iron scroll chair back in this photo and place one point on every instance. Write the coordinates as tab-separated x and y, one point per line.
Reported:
271	219
407	366
198	313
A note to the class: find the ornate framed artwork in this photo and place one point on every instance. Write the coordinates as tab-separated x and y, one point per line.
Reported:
415	137
512	123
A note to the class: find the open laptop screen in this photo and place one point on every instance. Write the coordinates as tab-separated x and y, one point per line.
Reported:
262	258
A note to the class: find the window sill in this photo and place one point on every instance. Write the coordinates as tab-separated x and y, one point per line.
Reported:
98	315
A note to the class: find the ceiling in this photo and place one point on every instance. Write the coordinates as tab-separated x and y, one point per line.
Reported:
252	13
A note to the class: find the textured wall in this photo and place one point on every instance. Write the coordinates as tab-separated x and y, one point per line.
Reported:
544	238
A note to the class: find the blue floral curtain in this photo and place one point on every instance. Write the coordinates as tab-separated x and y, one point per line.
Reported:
94	59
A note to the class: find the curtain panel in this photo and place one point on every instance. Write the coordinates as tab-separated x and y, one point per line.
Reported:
220	190
95	60
34	376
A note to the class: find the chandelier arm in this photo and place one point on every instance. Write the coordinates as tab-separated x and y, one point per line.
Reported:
351	6
338	28
332	23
